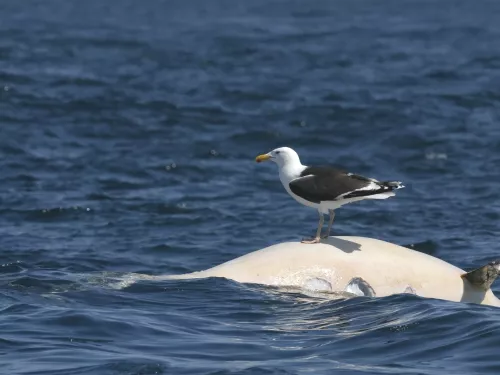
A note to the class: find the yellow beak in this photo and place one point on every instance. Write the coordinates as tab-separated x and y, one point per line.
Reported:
262	158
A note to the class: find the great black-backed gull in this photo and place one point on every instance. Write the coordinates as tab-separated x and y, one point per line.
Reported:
325	188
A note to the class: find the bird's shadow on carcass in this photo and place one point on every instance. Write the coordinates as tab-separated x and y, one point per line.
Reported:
344	245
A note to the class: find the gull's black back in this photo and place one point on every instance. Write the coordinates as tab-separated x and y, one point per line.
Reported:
317	184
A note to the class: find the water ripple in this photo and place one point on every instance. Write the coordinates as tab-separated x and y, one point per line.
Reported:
129	138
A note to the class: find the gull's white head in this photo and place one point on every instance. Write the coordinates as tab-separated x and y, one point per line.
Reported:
281	156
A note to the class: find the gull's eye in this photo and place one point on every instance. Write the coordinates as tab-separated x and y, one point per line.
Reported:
277	152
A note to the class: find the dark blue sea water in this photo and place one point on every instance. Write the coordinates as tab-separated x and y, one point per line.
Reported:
128	136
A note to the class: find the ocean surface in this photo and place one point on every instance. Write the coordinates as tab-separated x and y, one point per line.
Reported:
128	136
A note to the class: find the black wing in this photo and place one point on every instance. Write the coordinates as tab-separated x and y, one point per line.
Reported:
317	184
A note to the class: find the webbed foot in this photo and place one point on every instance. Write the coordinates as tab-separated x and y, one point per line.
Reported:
311	241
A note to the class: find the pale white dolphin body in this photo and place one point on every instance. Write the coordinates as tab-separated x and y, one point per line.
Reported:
357	265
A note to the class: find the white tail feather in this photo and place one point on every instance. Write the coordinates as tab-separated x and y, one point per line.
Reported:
381	195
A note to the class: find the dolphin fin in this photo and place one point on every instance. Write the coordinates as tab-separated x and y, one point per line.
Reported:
359	287
484	276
